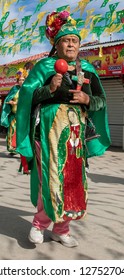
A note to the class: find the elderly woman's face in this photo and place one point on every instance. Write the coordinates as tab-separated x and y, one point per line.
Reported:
68	47
21	81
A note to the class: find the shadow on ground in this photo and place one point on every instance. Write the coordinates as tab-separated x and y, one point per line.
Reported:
98	178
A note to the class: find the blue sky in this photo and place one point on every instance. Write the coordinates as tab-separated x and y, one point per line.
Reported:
49	6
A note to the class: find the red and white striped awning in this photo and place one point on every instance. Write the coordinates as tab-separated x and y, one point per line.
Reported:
30	58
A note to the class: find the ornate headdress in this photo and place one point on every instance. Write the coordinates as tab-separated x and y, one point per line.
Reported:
21	73
59	24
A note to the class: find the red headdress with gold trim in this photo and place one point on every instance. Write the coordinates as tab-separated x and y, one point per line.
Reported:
59	24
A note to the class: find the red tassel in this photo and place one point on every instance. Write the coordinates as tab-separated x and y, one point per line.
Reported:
24	164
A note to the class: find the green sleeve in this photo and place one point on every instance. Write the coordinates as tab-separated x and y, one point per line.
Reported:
97	98
41	94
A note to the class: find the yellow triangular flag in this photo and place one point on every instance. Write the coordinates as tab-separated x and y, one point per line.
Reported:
41	15
21	8
83	33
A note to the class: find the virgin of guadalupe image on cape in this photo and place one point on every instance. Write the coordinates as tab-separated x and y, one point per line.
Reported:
72	169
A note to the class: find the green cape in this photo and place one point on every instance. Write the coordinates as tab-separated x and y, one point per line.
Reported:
37	78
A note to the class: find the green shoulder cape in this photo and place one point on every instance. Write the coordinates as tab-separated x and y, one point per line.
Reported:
6	110
37	77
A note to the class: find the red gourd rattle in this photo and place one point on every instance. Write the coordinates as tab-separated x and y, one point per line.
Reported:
61	66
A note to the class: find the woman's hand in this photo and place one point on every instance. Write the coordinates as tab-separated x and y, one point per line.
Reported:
55	82
11	102
79	97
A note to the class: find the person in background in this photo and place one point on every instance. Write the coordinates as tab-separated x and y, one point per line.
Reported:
28	66
8	114
51	125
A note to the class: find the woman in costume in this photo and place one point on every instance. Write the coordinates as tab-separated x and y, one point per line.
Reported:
8	116
51	128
